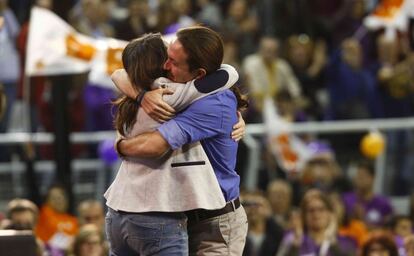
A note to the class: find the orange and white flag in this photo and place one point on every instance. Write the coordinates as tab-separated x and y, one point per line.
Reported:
392	15
290	151
55	48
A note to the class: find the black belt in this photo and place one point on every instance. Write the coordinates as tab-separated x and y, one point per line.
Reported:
203	214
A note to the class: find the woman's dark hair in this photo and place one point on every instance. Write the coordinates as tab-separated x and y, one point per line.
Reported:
143	59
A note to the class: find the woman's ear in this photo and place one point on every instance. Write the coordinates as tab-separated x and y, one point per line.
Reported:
201	72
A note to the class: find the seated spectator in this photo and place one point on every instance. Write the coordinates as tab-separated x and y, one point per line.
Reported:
241	24
23	214
315	233
209	14
279	194
401	227
352	88
92	19
91	212
288	109
308	60
378	244
56	227
267	74
264	235
9	68
396	90
322	171
363	204
136	24
89	242
349	227
409	245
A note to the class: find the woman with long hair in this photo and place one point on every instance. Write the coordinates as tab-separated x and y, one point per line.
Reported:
148	197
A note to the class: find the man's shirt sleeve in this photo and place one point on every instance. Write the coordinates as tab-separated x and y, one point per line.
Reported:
203	119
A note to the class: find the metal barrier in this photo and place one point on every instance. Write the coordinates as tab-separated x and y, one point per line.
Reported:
252	130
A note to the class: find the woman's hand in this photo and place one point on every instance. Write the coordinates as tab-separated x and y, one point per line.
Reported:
156	107
239	129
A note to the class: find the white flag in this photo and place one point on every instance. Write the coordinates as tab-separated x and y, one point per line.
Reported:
290	151
392	15
55	48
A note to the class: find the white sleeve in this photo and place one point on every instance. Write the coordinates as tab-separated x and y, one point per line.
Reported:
185	94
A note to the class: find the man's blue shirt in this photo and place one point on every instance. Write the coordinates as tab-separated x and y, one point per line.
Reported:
210	120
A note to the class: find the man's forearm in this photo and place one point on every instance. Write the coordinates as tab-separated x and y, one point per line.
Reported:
149	145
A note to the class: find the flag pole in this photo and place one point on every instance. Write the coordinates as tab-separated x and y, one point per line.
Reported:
60	90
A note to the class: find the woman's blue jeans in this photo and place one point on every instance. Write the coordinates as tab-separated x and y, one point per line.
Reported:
152	233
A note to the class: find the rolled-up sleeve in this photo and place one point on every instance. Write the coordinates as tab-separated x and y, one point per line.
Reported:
173	134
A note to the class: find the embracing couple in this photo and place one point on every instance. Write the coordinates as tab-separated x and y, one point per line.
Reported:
177	191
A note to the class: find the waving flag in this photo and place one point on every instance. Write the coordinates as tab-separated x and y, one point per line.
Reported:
290	151
55	48
392	15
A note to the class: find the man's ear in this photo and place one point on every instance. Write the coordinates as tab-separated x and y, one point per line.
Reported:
201	72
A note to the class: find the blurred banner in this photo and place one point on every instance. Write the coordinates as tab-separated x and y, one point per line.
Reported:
290	151
55	48
392	15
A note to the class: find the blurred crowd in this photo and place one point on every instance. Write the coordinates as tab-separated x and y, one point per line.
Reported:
314	58
317	62
324	214
56	231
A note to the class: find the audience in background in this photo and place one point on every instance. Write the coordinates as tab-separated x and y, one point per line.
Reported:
347	226
409	245
279	194
209	14
136	23
93	20
22	214
315	231
267	74
308	59
317	62
56	227
240	23
89	242
393	70
9	68
380	243
264	234
363	203
402	228
91	212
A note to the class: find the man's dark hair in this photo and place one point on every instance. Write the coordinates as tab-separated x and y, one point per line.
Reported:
204	48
